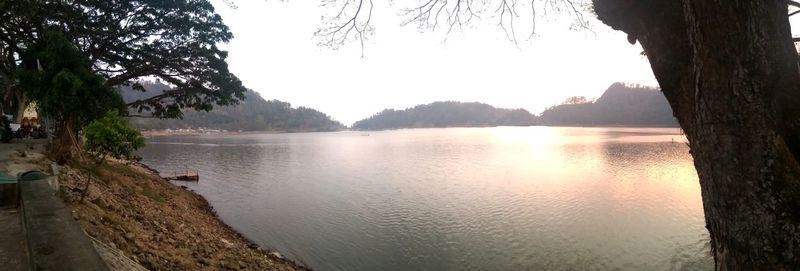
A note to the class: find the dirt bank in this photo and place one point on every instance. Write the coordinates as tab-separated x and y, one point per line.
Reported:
158	224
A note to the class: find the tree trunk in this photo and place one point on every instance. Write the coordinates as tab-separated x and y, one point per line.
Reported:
22	103
729	71
68	146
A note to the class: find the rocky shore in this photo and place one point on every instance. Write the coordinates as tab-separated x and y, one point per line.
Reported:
130	208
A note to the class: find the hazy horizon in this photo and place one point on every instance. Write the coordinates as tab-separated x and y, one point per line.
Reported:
275	53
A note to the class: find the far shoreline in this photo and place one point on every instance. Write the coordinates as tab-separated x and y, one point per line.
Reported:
556	126
202	131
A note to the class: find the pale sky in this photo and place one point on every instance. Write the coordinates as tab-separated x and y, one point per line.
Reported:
275	53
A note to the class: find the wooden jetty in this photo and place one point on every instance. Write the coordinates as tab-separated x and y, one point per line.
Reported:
186	175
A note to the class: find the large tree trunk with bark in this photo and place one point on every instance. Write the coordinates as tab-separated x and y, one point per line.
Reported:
730	72
67	146
21	100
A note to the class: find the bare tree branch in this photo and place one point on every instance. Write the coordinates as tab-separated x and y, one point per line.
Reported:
796	5
793	3
351	22
351	19
430	14
230	4
510	10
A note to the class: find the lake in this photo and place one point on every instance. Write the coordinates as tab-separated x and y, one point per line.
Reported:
504	198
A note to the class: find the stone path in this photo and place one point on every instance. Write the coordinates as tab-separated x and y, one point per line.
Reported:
41	233
56	241
13	251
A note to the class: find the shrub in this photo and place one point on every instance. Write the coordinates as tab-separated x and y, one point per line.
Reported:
112	136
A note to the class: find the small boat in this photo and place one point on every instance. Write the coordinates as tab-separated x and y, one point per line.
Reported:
365	134
186	175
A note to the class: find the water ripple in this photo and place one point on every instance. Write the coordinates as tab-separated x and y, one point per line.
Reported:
534	198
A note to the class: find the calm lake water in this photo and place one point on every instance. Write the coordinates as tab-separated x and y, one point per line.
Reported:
528	198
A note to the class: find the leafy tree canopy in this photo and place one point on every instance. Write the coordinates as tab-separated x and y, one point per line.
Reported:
58	76
175	41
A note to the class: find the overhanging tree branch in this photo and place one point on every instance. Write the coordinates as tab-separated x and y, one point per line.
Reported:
347	25
352	19
130	40
793	3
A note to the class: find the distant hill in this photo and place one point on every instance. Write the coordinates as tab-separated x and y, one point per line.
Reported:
446	114
252	114
621	104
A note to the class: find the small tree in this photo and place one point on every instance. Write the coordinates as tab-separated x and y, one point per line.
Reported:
111	136
60	79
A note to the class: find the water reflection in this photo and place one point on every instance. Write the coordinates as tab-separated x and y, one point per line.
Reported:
464	199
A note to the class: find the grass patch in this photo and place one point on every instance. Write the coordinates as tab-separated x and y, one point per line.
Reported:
155	196
127	171
92	169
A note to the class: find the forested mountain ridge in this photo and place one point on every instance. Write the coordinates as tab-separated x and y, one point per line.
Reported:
252	114
446	114
621	104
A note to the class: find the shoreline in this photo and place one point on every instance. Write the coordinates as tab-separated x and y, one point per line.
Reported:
166	133
195	132
275	254
521	126
160	225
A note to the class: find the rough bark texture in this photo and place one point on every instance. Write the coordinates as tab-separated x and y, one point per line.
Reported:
22	103
67	146
729	71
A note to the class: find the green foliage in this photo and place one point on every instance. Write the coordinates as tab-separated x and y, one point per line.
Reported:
175	41
60	78
447	114
112	136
